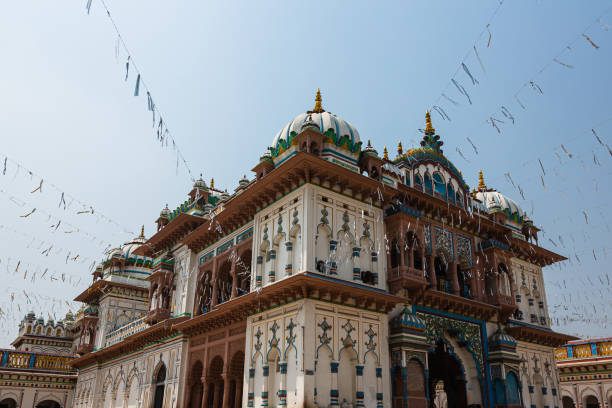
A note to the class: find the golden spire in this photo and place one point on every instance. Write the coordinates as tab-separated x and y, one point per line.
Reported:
429	130
212	182
385	153
318	103
400	149
481	183
142	232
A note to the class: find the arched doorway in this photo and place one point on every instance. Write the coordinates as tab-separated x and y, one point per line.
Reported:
8	403
236	372
196	389
591	402
160	385
445	367
567	402
215	390
48	404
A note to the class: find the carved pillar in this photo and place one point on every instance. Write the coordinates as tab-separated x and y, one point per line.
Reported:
359	391
234	276
432	271
454	278
251	393
226	390
215	284
333	400
205	391
264	392
238	394
216	395
379	392
473	284
282	392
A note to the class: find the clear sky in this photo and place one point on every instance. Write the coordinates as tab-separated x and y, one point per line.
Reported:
228	75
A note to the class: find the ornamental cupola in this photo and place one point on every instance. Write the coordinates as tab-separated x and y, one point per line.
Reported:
200	191
430	139
164	217
503	208
370	163
265	165
407	329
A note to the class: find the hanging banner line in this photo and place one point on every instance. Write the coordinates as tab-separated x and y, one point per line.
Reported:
163	132
65	199
462	64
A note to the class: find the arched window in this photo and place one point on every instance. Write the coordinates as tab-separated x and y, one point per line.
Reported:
512	390
428	185
458	199
439	186
160	385
450	193
418	182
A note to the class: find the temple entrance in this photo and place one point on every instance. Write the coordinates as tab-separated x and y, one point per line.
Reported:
591	402
446	368
8	403
160	385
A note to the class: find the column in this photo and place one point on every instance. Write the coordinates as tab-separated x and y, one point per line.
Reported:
216	394
359	391
215	285
233	275
264	392
282	392
205	391
473	284
379	392
454	278
226	390
251	394
432	271
401	242
238	394
405	386
334	394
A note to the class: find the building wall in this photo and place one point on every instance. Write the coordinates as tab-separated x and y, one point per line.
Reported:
30	396
531	296
315	352
129	380
538	376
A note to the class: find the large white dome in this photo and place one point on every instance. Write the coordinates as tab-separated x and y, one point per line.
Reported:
496	201
323	120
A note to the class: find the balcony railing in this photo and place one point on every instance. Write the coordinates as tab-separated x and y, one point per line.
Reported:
25	360
126	330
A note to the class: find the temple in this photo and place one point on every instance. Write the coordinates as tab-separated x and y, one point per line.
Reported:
332	277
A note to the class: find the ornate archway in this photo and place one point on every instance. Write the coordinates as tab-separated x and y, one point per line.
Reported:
160	385
444	366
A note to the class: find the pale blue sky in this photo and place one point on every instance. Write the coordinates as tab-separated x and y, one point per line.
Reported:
228	75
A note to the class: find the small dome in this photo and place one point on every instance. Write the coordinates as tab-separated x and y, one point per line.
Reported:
40	320
200	183
407	320
501	338
320	119
165	212
369	150
496	201
244	181
31	315
69	316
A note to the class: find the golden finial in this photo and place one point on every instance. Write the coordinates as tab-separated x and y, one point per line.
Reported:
385	153
400	149
429	130
481	183
318	103
212	182
142	232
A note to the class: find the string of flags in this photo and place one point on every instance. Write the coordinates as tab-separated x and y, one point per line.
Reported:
163	134
66	201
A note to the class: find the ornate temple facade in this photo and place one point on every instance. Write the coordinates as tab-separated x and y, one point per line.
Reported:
333	277
37	372
585	370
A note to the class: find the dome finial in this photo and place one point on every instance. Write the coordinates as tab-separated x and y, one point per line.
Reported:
481	182
385	153
212	182
400	149
429	130
318	103
142	232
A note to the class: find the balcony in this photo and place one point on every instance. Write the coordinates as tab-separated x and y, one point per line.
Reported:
157	315
20	360
405	277
126	330
84	349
